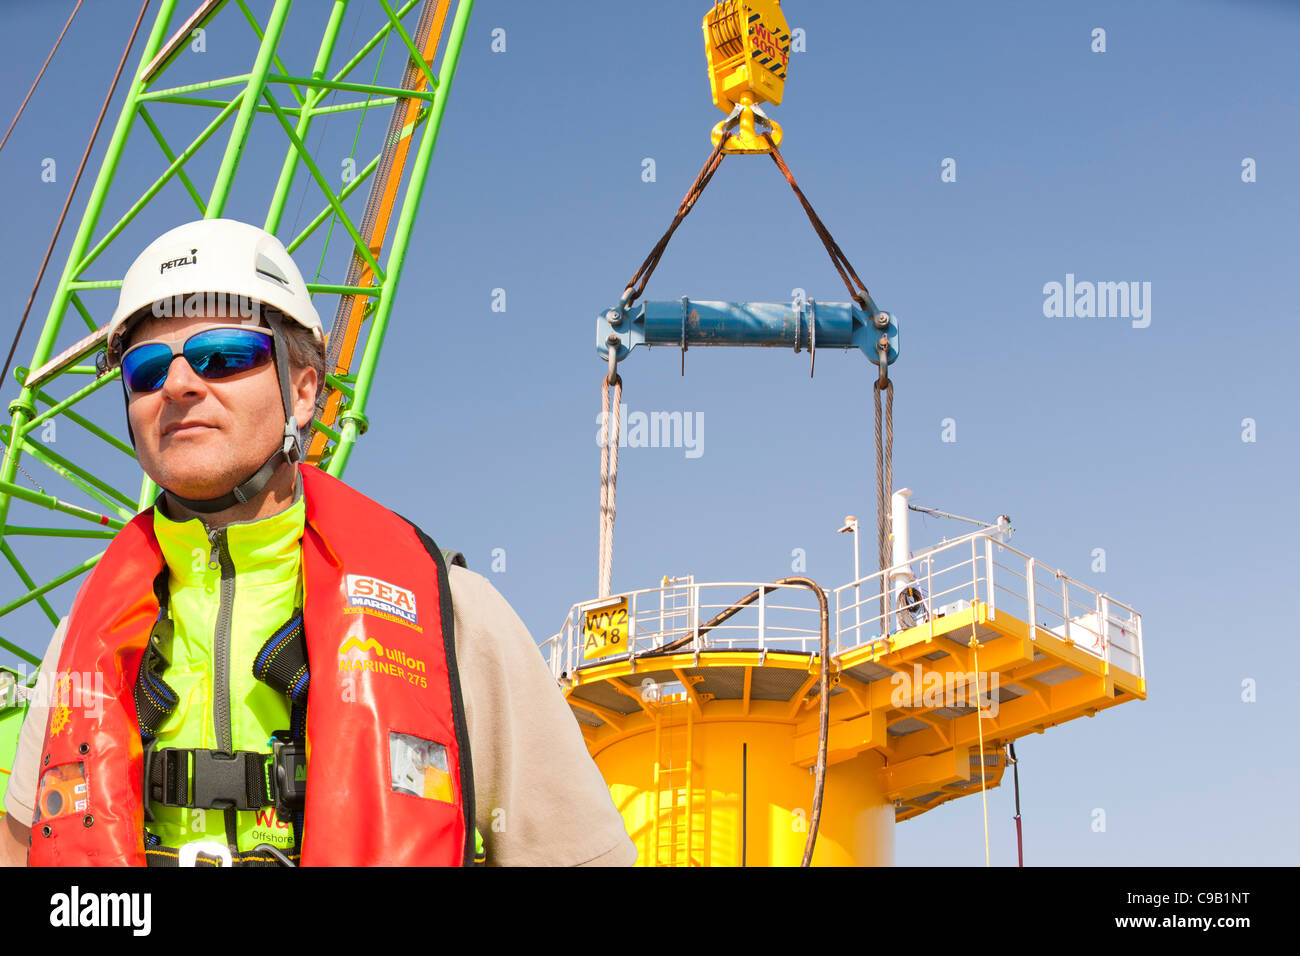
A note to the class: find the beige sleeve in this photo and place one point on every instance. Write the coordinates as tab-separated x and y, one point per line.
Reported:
20	798
538	798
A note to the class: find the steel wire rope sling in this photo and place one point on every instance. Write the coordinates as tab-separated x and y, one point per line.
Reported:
612	380
635	288
747	47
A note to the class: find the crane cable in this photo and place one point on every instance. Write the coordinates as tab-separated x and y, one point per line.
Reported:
979	723
884	444
609	439
838	259
884	455
884	484
609	435
1015	769
884	449
635	288
636	285
39	74
58	227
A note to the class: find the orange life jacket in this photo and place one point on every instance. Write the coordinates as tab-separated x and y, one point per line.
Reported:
377	622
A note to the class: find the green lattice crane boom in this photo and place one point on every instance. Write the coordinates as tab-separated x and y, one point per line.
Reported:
62	500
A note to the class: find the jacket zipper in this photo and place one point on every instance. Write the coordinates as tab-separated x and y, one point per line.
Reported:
220	558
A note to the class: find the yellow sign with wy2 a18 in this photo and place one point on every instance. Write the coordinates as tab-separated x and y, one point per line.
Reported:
605	630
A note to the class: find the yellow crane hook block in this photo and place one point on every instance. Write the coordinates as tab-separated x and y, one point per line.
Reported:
747	45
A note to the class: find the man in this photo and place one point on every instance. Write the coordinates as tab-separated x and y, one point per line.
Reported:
272	668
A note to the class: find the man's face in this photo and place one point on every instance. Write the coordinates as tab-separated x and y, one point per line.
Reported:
200	438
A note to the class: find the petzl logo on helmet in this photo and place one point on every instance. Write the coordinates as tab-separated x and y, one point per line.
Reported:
367	592
192	259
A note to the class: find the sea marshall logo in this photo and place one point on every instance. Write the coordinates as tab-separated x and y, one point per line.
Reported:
364	653
367	592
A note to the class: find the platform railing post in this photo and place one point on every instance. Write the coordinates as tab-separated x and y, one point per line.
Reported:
988	575
1030	588
694	601
1142	657
1103	611
929	591
631	622
1065	600
663	587
837	622
883	584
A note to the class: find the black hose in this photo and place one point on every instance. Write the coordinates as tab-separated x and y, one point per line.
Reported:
823	721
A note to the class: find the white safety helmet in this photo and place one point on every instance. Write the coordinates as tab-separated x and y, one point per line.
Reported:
210	257
244	268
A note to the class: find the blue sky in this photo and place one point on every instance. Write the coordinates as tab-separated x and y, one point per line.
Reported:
1117	166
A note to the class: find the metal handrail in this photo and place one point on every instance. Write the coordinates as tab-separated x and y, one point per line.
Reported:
976	575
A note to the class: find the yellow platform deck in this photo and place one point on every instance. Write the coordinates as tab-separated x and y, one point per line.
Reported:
911	698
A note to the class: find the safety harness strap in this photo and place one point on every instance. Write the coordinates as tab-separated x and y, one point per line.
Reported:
290	449
282	662
210	779
154	698
170	856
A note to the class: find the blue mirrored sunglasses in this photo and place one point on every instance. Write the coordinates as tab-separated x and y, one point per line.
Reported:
214	353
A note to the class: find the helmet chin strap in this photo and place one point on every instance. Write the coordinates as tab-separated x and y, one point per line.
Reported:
289	450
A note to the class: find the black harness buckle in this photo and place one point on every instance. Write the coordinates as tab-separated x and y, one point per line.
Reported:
214	780
147	760
220	780
289	779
